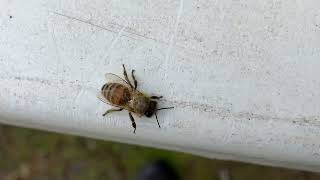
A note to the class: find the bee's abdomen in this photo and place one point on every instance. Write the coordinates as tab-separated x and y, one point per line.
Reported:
116	93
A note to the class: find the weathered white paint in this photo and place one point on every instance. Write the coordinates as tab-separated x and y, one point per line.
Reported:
243	75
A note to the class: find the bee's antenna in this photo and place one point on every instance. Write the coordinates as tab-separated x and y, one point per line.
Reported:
157	119
165	108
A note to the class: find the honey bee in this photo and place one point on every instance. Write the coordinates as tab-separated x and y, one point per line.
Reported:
123	94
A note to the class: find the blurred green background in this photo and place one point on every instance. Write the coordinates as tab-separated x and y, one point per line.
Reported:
32	154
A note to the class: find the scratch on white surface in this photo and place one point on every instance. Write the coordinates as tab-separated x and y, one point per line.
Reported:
83	21
53	37
114	41
77	97
133	33
173	36
110	29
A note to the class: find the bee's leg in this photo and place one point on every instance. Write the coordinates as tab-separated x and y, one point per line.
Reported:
156	97
133	122
111	110
126	76
157	119
134	79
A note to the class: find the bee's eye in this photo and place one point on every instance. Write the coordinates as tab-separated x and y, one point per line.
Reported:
148	113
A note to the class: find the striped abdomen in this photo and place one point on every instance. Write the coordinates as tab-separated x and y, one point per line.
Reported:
116	93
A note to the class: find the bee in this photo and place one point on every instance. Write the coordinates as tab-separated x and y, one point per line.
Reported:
123	94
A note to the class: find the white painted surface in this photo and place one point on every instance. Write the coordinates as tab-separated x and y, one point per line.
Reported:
243	75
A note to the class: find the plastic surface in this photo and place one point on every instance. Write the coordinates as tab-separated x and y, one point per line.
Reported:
243	76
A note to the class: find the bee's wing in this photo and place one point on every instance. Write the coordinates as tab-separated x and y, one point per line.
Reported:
112	78
104	100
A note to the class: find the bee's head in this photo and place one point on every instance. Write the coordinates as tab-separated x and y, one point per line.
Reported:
151	109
